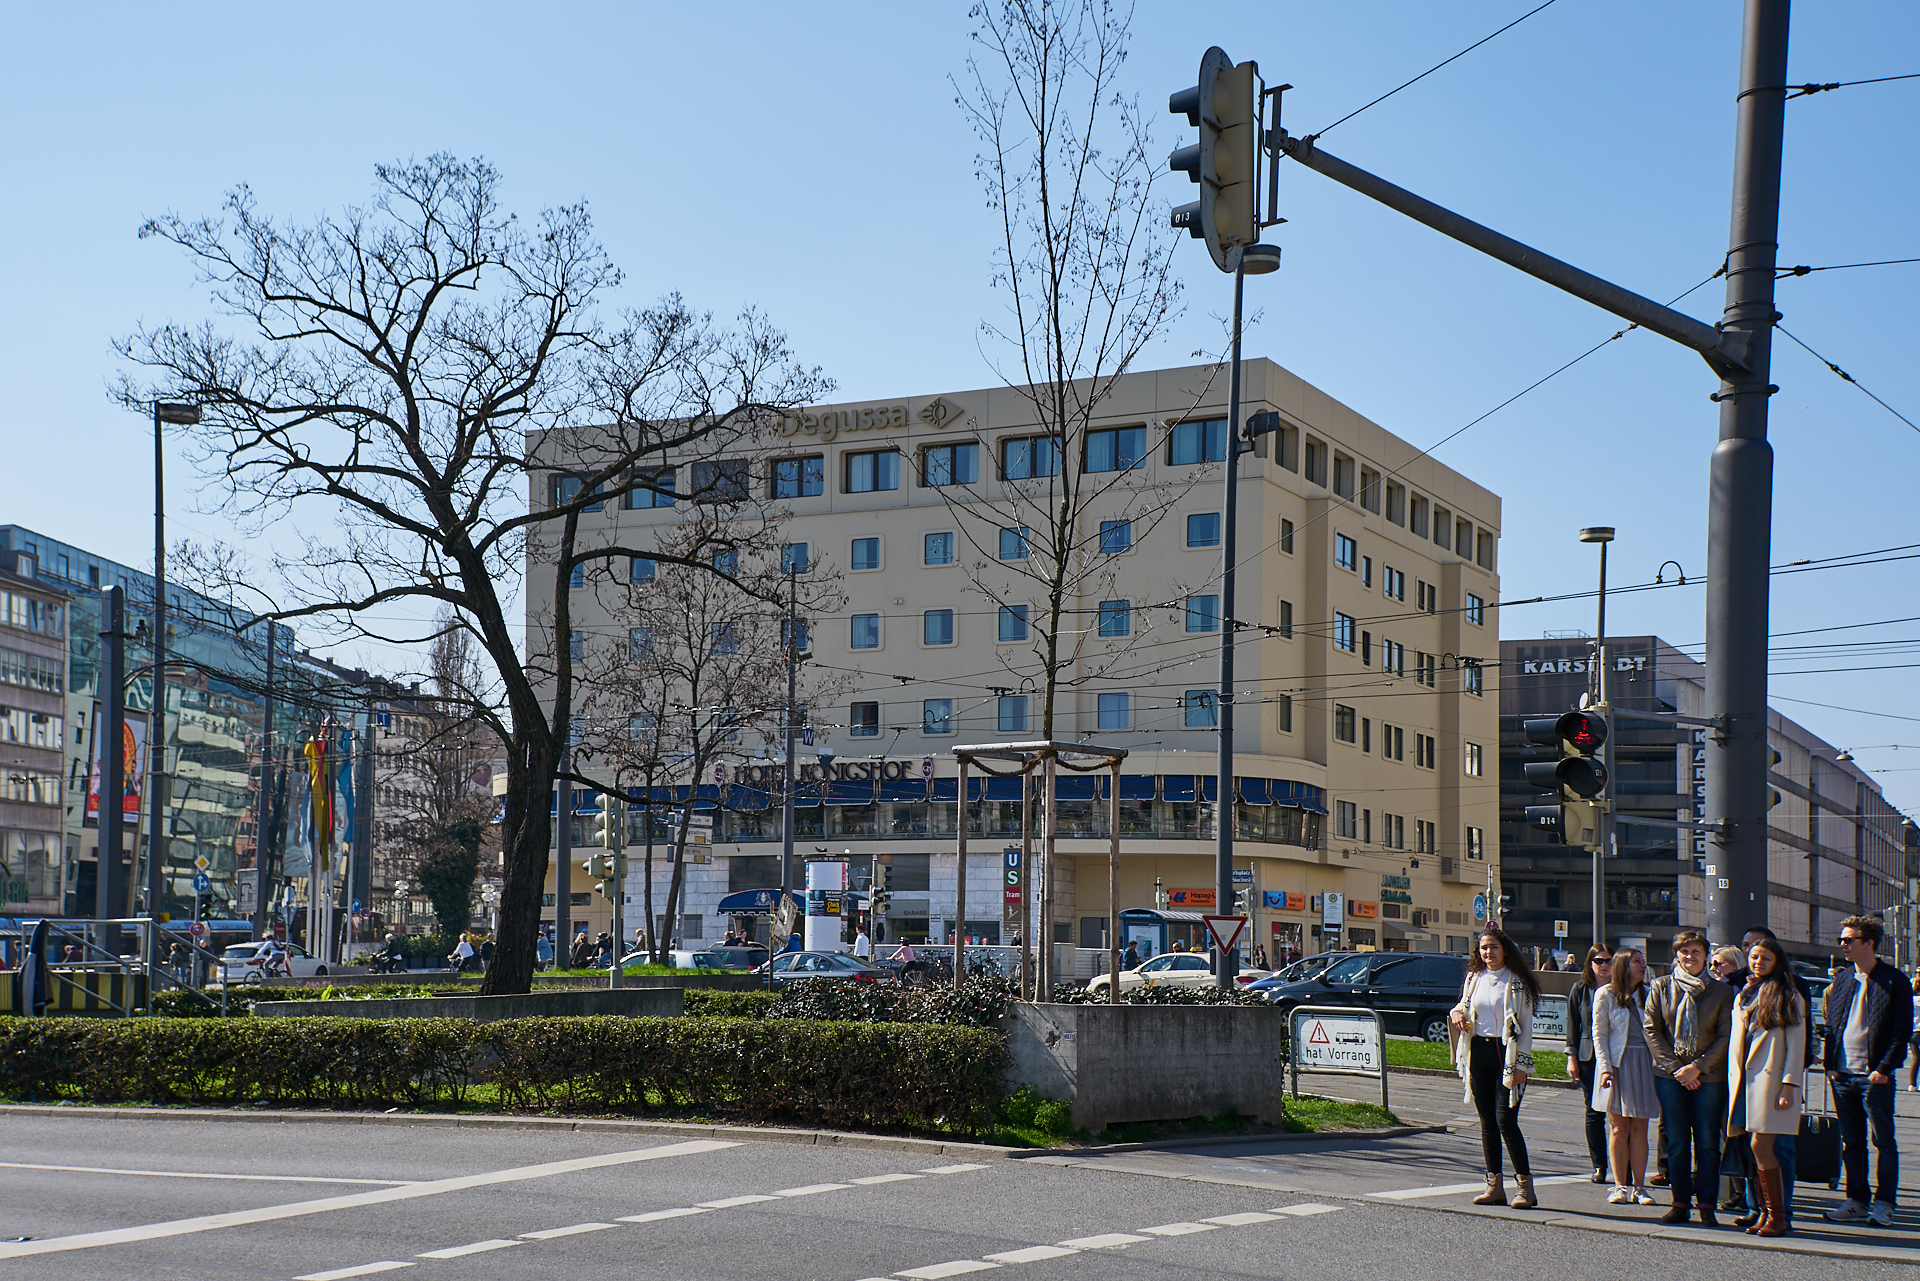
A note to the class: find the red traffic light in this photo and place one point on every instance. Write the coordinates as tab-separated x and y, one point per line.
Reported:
1582	731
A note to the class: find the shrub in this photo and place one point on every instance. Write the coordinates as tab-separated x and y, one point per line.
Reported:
980	1002
1064	995
711	1002
848	1075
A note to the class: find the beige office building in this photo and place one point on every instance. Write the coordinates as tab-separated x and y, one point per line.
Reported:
1366	754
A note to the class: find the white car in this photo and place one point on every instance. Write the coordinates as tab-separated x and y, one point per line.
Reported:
1172	969
255	962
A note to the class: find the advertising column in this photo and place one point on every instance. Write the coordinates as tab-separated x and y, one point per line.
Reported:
823	927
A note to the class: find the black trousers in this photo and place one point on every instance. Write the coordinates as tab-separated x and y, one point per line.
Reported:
1499	1118
1596	1121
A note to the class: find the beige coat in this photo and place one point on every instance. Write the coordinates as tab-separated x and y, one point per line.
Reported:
1762	1060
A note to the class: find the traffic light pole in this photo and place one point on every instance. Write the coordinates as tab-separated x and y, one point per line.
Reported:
1605	848
1227	963
786	772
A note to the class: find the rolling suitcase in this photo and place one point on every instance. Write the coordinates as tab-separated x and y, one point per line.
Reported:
1816	1154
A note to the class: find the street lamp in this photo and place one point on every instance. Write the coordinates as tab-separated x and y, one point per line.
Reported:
178	414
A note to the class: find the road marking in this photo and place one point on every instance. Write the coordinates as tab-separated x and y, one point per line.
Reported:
1180	1229
952	1169
1031	1254
196	1174
727	1203
812	1188
934	1271
1106	1240
1241	1220
653	1215
1306	1207
266	1214
457	1251
548	1234
871	1179
1455	1189
341	1274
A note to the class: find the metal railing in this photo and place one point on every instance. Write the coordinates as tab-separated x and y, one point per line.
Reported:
84	945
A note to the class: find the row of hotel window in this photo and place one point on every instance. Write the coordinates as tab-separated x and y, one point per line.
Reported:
1365	486
1352	823
1393	582
1352	728
31	614
31	671
1349	637
29	786
1015	713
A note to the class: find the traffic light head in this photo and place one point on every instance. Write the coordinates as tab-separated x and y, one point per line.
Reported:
1577	773
1584	732
1225	162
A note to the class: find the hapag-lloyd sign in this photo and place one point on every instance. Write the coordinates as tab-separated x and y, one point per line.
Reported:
1577	666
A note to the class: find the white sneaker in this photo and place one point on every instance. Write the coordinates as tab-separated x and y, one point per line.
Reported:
1849	1212
1643	1197
1620	1196
1881	1215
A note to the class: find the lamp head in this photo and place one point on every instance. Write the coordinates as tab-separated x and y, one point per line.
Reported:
1597	534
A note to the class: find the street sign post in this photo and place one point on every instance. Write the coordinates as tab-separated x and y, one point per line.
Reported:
1339	1040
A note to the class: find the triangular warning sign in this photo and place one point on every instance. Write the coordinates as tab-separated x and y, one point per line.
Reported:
1319	1034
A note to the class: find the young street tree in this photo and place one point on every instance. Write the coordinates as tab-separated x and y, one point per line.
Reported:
372	409
691	672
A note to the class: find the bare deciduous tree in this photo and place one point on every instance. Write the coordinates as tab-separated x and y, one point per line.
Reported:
376	406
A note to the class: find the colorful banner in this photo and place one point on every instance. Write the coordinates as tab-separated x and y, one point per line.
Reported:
133	761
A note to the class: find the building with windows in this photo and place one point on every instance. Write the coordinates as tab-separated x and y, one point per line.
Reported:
33	718
1836	846
1364	740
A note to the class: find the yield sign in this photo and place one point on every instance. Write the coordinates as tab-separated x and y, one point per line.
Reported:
1226	930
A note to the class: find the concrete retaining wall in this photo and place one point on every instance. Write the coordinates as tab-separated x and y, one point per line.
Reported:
630	1001
1122	1063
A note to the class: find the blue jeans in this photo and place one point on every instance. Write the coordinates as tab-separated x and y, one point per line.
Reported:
1862	1105
1695	1122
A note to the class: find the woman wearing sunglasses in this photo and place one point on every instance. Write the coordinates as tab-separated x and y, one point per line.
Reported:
1596	974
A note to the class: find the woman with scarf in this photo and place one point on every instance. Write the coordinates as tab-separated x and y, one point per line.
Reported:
1493	1052
1689	1022
1767	1054
1624	1085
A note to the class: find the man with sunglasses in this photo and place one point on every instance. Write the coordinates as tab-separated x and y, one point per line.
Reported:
1869	1019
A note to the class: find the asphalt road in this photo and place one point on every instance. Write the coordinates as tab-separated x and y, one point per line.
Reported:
106	1197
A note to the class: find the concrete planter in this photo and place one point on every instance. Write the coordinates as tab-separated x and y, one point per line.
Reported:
629	1001
1125	1063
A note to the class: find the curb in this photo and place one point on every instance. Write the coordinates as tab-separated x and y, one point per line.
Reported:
1200	1141
675	1129
1557	1083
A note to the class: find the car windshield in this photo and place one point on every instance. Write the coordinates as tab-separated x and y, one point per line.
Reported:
1191	963
1351	970
1156	964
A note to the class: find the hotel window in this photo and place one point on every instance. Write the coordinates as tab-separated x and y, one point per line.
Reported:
1346	552
1116	449
1366	827
1029	457
1366	734
1442	526
567	488
1314	456
936	716
1393	657
721	480
789	628
1286	535
1426	670
642	724
1424	837
866	553
1014	543
937	549
863	720
1428	597
1426	750
866	631
1343	632
576	645
1366	571
1396	503
727	563
577	577
1116	711
1366	649
1393	831
943	465
639	642
650	489
1202	708
1343	475
1203	529
799	477
1473	679
1116	618
1370	490
1346	723
1203	613
641	569
1116	536
726	638
1484	557
1283	704
1475	760
1463	540
1417	517
936	627
1013	622
1393	742
1200	441
1476	610
1393	583
873	470
1476	843
1286	619
1013	714
1346	820
794	558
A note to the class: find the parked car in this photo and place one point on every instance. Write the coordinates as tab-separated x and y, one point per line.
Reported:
679	959
255	962
743	957
1171	969
1304	968
1412	991
791	967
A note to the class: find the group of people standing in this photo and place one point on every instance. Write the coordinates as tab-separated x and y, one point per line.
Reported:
1717	1054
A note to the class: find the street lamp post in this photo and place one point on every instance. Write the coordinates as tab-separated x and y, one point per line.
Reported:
178	414
1602	534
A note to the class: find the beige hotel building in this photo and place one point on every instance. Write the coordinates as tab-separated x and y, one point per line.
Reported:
1366	749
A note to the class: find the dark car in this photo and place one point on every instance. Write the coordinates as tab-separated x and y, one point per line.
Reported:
1304	968
1412	991
792	967
738	957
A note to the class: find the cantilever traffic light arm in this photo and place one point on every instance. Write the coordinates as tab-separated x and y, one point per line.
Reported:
1725	351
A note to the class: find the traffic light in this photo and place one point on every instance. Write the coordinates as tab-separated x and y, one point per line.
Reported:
1240	898
880	895
608	833
1226	160
608	870
1577	776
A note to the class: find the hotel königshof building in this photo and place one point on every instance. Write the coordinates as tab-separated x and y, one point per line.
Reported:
1365	745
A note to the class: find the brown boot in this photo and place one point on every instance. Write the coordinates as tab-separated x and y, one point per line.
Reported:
1773	1193
1524	1199
1496	1193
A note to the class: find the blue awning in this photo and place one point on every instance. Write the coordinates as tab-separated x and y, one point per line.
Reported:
903	789
1076	787
750	799
1176	787
994	788
843	793
946	789
1138	787
1254	791
1209	787
752	902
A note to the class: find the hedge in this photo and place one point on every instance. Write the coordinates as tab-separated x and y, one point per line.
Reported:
866	1076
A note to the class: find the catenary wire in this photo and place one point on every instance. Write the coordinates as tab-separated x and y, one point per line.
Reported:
1848	378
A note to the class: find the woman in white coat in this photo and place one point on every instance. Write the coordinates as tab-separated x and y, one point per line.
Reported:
1764	1063
1625	1066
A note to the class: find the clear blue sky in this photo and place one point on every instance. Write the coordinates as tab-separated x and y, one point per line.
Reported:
810	160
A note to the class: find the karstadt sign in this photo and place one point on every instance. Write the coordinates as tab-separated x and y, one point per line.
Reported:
1576	666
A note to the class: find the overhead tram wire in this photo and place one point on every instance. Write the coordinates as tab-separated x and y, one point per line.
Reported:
1803	91
1783	273
1848	377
